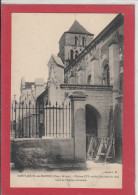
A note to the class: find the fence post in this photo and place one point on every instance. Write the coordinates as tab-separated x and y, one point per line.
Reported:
69	121
53	120
66	120
63	116
49	118
29	121
33	122
39	130
59	120
12	120
43	120
19	128
26	122
22	120
56	119
15	118
36	118
46	121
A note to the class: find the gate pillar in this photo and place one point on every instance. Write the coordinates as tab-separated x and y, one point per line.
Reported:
79	127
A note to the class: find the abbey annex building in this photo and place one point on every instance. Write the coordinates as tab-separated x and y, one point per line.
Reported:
78	113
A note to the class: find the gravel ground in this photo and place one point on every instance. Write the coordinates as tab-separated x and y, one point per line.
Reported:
96	175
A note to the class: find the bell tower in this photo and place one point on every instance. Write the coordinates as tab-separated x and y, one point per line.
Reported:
73	42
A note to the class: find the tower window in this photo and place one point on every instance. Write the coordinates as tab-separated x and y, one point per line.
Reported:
76	53
83	41
71	54
76	40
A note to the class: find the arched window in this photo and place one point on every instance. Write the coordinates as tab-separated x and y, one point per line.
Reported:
83	41
76	53
106	75
71	54
89	79
76	40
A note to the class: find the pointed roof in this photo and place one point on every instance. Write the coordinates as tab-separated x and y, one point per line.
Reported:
78	29
57	60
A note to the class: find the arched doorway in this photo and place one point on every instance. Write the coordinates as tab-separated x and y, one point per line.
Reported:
92	124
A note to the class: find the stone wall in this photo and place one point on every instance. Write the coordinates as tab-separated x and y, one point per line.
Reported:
42	152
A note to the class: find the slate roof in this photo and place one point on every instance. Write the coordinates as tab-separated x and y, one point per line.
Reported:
78	28
39	81
58	60
29	84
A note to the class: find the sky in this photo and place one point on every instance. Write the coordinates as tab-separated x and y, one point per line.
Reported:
35	37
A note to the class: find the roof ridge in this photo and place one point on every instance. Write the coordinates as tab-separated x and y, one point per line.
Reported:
78	28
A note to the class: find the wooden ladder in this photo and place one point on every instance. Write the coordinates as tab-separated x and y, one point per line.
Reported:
89	147
109	148
100	153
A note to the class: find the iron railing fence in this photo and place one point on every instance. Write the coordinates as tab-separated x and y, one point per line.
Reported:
36	121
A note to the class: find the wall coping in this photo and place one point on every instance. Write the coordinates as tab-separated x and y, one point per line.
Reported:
86	87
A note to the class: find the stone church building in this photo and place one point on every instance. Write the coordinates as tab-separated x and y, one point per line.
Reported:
92	68
88	72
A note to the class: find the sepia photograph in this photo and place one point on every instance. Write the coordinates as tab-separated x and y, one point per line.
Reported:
67	100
